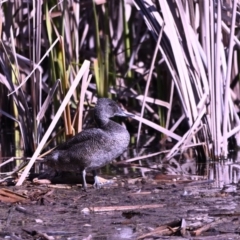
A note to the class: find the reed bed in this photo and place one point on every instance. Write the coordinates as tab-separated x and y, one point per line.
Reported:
172	63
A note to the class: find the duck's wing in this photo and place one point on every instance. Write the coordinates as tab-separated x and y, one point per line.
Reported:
81	138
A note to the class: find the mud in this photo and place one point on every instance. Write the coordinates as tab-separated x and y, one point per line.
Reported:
166	208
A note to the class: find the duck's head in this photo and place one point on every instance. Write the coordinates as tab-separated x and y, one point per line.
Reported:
107	108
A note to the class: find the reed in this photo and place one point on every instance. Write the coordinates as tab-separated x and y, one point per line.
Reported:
172	63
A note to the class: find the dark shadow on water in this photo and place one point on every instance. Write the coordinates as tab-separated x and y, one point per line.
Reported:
225	172
222	172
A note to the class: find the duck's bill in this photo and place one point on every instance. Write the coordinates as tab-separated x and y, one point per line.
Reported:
122	113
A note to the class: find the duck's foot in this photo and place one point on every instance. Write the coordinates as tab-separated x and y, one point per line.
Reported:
100	182
97	184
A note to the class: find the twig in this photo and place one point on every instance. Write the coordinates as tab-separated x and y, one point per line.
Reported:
9	196
120	208
208	226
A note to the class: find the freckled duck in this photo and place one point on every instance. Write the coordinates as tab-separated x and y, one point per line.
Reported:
93	148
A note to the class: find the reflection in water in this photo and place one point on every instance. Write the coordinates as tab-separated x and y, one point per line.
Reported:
124	232
225	172
222	172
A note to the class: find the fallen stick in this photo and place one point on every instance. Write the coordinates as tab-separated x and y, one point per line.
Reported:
120	208
9	196
139	193
164	230
208	226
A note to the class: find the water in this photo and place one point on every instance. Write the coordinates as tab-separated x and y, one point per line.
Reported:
223	172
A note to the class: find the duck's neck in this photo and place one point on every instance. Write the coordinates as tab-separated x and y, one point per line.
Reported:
101	123
108	124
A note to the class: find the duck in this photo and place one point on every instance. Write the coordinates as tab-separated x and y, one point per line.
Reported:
93	148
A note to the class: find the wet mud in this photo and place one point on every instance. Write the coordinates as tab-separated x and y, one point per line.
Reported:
165	208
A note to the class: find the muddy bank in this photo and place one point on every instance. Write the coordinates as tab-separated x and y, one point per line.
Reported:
137	210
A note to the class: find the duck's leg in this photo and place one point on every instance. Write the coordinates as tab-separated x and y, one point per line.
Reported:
84	183
96	184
